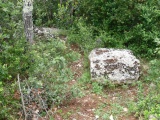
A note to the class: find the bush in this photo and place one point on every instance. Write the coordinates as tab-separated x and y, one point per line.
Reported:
13	59
43	14
133	24
12	48
48	75
129	24
82	35
53	13
148	105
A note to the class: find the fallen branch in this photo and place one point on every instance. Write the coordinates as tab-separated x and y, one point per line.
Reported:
22	100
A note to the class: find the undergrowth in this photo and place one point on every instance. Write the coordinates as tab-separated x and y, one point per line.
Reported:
44	66
49	75
148	97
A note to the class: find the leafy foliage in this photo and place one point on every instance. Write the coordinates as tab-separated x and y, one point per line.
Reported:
148	104
132	24
50	69
12	57
43	13
82	35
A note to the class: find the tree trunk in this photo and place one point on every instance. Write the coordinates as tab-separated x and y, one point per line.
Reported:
61	3
27	19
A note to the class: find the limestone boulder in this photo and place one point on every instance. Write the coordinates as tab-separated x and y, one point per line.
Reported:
115	65
50	32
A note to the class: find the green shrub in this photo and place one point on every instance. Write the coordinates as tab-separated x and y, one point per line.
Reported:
53	13
12	48
133	24
148	105
49	71
129	24
13	59
72	56
153	71
97	88
44	11
82	35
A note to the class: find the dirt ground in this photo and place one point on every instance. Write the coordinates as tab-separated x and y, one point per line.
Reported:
86	107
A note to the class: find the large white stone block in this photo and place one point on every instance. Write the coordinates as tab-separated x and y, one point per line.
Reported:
115	65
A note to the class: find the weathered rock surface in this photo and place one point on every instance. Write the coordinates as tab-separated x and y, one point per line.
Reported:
49	32
43	30
115	65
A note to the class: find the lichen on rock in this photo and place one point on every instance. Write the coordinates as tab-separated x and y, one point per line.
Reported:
115	65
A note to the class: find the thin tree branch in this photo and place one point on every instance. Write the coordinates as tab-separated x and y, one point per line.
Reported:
22	100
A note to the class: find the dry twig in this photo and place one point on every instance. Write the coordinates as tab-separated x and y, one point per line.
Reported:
22	100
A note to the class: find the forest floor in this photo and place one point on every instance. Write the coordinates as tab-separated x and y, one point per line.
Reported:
94	101
110	104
